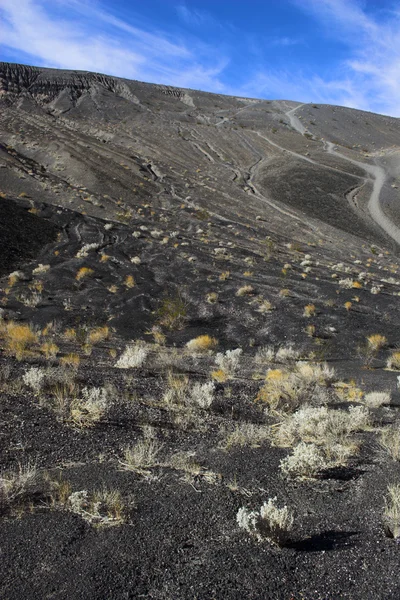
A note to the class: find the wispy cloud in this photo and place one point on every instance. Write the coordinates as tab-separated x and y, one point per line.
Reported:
370	76
284	41
84	34
87	37
193	17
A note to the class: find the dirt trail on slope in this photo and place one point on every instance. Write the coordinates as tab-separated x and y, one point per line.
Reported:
376	174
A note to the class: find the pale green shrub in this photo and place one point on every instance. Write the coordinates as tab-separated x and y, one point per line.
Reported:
133	357
269	522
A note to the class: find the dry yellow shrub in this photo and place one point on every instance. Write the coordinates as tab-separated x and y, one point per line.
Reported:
219	375
224	276
202	343
83	272
376	341
129	281
70	335
49	349
99	334
70	360
18	338
309	310
394	361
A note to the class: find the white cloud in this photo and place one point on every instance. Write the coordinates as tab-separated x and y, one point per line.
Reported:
81	34
372	71
192	16
92	39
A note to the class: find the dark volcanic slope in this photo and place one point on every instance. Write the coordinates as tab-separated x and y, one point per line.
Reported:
132	212
22	235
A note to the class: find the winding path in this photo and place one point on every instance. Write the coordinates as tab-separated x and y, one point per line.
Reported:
375	174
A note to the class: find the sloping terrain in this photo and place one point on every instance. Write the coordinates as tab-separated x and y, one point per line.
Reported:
199	294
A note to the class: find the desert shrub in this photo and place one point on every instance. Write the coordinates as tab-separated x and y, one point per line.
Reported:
177	389
89	409
84	251
129	281
391	515
34	378
98	335
228	362
41	269
70	335
14	277
390	440
172	312
133	357
287	354
349	284
212	297
101	508
23	487
376	342
180	393
245	290
264	306
321	437
70	360
83	272
246	434
268	523
305	461
309	310
5	376
19	338
323	426
202	394
49	349
283	354
202	343
32	299
266	354
142	455
393	361
219	375
63	392
376	399
192	469
286	389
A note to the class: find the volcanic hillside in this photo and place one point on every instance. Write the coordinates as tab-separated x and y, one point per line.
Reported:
199	314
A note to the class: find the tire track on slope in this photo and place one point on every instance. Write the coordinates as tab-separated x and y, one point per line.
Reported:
375	174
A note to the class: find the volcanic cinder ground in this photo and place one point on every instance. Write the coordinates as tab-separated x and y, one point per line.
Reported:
165	214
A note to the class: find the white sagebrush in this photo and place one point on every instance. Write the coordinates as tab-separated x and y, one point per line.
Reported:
229	361
87	410
95	395
34	378
305	461
269	522
202	394
287	353
133	357
84	251
40	269
391	514
346	283
320	425
16	276
266	354
376	399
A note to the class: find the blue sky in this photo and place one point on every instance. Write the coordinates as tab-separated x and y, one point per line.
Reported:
343	52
